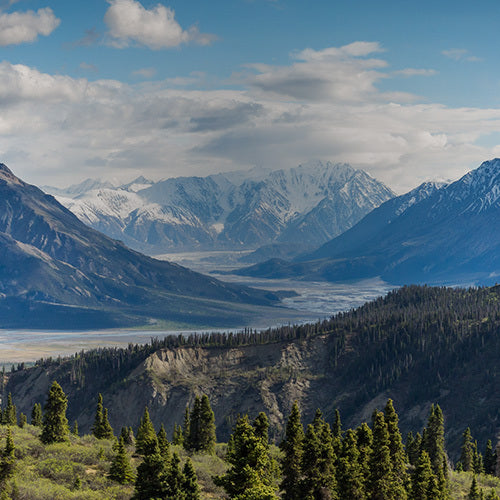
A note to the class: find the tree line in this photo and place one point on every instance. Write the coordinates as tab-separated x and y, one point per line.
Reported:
318	461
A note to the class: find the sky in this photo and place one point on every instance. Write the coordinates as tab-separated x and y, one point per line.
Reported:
114	89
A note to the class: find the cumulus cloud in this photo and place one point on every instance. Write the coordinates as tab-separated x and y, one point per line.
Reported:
21	27
129	22
52	126
145	72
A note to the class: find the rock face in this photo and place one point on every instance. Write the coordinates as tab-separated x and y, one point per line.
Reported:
312	202
434	234
57	272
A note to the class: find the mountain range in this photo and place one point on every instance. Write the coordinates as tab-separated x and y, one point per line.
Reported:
56	272
311	203
437	233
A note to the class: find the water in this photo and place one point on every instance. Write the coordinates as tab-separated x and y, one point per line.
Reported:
315	300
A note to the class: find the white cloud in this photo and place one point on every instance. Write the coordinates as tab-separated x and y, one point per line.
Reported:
21	27
54	127
129	22
145	72
460	55
409	72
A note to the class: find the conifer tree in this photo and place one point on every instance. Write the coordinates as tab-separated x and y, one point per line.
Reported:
121	469
382	484
318	461
474	493
191	439
127	434
36	415
261	426
151	477
22	420
490	459
190	485
206	430
184	432
364	439
178	436
396	448
434	438
292	456
421	478
74	429
413	447
101	428
163	443
492	495
55	424
350	479
7	460
9	415
467	451
146	441
337	425
174	480
251	469
477	461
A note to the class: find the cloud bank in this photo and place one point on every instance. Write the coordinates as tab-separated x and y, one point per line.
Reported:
324	104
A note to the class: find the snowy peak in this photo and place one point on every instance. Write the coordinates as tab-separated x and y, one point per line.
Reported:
237	210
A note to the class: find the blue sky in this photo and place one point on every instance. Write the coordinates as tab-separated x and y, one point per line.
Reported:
408	91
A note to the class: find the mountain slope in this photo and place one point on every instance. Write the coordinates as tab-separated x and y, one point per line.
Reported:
417	345
51	260
315	201
445	235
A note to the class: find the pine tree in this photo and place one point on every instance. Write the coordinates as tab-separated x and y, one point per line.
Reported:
251	469
146	441
261	426
350	478
467	451
127	434
7	460
185	432
121	470
190	485
413	447
163	443
292	456
364	439
55	424
36	415
174	480
74	429
477	461
191	440
474	493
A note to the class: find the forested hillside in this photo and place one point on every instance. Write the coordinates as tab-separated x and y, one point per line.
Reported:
418	345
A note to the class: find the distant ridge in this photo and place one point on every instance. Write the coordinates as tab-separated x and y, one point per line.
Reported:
312	202
434	234
56	272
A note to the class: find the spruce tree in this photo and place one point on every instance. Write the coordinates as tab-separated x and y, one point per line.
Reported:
55	424
490	459
121	470
364	437
192	440
421	478
396	448
74	429
181	435
22	420
382	483
178	436
350	478
7	460
413	447
467	451
434	438
9	415
261	426
127	434
206	430
36	415
174	480
292	456
163	443
474	492
190	485
101	428
251	470
146	441
151	477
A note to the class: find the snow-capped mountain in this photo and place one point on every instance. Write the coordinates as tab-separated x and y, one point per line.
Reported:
312	202
434	234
